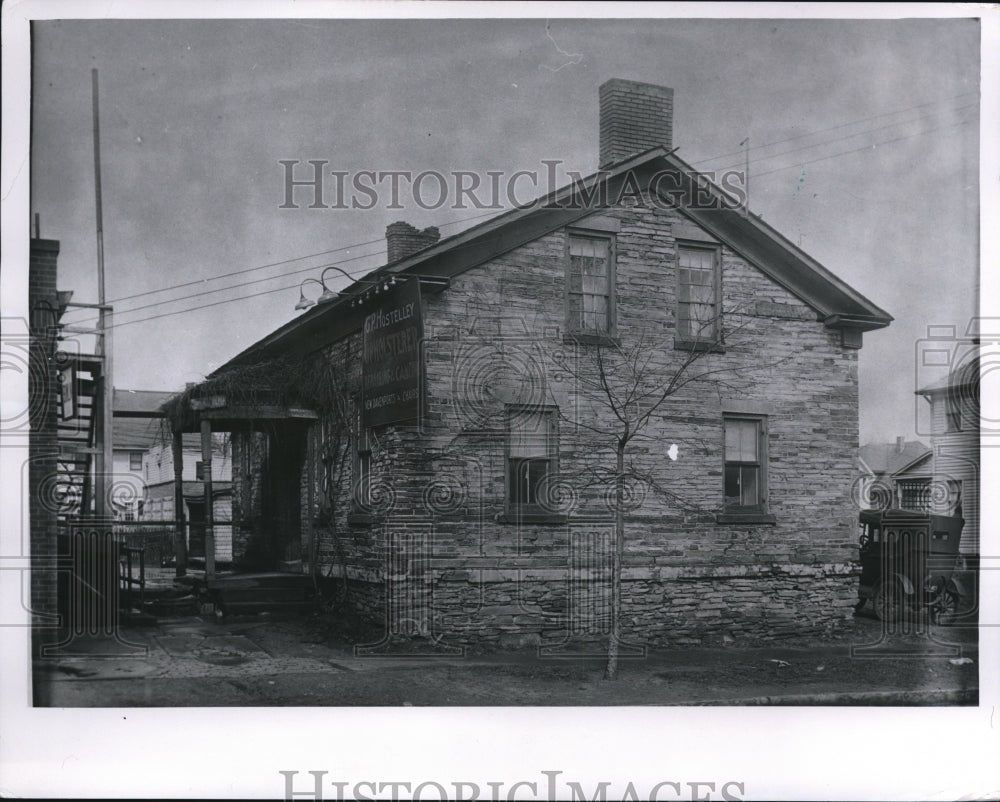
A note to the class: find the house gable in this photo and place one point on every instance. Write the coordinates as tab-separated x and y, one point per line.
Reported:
832	300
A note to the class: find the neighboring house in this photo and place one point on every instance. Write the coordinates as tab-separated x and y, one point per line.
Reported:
138	425
954	421
467	513
896	475
144	472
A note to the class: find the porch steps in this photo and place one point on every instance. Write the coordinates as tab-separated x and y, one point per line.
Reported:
244	594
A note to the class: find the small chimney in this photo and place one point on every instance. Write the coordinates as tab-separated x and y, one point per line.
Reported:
900	444
634	118
404	240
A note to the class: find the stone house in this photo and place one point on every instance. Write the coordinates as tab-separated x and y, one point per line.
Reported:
470	507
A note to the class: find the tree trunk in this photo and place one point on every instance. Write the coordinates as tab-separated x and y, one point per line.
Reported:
611	671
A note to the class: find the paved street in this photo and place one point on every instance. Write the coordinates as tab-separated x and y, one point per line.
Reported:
261	662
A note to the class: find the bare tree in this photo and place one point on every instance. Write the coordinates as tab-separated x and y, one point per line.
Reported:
624	386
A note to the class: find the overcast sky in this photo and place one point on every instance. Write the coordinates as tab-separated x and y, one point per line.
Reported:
865	152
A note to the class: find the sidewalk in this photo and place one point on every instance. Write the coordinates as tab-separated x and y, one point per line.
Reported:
207	662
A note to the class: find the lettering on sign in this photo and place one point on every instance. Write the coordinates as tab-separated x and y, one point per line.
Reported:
392	358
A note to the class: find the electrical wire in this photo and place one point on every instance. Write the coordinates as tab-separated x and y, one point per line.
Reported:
838	127
491	212
849	136
475	217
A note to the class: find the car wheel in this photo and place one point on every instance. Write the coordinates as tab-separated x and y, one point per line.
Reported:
946	609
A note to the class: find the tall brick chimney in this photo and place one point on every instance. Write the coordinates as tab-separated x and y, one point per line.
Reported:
634	118
42	429
404	240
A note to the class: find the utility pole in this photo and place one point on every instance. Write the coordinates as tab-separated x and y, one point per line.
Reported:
104	461
746	174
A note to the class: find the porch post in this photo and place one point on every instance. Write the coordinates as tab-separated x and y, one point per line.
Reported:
180	533
311	546
206	467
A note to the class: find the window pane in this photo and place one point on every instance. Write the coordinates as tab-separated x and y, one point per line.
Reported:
741	440
575	273
588	246
529	432
589	284
749	495
732	492
703	258
742	486
526	479
696	293
594	285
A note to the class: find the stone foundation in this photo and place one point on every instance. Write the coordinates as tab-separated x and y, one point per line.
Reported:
744	607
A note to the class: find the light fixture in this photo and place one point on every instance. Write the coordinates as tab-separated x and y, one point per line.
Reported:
63	297
305	303
328	294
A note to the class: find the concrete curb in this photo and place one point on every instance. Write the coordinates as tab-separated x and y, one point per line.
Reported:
865	698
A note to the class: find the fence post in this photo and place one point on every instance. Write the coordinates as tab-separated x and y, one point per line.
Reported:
180	536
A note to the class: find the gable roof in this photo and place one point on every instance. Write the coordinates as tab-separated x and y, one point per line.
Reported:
139	423
964	376
836	303
888	458
139	403
137	434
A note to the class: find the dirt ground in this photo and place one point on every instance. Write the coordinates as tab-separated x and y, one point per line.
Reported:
308	662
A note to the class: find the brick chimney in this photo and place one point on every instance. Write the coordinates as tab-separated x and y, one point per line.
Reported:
42	425
900	444
634	118
404	240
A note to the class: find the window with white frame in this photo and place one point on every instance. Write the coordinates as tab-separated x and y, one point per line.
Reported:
698	289
590	284
952	412
532	457
745	473
135	460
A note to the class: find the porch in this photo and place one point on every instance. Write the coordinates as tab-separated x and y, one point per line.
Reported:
269	535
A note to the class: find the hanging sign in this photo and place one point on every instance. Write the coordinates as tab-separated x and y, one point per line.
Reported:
67	393
392	359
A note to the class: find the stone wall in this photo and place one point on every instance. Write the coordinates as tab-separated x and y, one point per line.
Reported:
437	541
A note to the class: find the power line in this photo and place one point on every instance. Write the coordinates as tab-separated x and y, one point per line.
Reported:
362	271
269	278
849	136
490	213
245	271
311	268
838	127
866	147
196	308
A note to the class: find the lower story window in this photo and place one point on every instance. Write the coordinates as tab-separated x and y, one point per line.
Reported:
746	464
531	457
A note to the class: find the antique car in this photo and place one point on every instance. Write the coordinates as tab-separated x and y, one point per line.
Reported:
908	560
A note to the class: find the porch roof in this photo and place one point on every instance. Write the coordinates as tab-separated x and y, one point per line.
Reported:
224	415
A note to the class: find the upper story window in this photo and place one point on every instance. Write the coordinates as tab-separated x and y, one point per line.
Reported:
698	295
532	457
745	463
590	302
135	460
